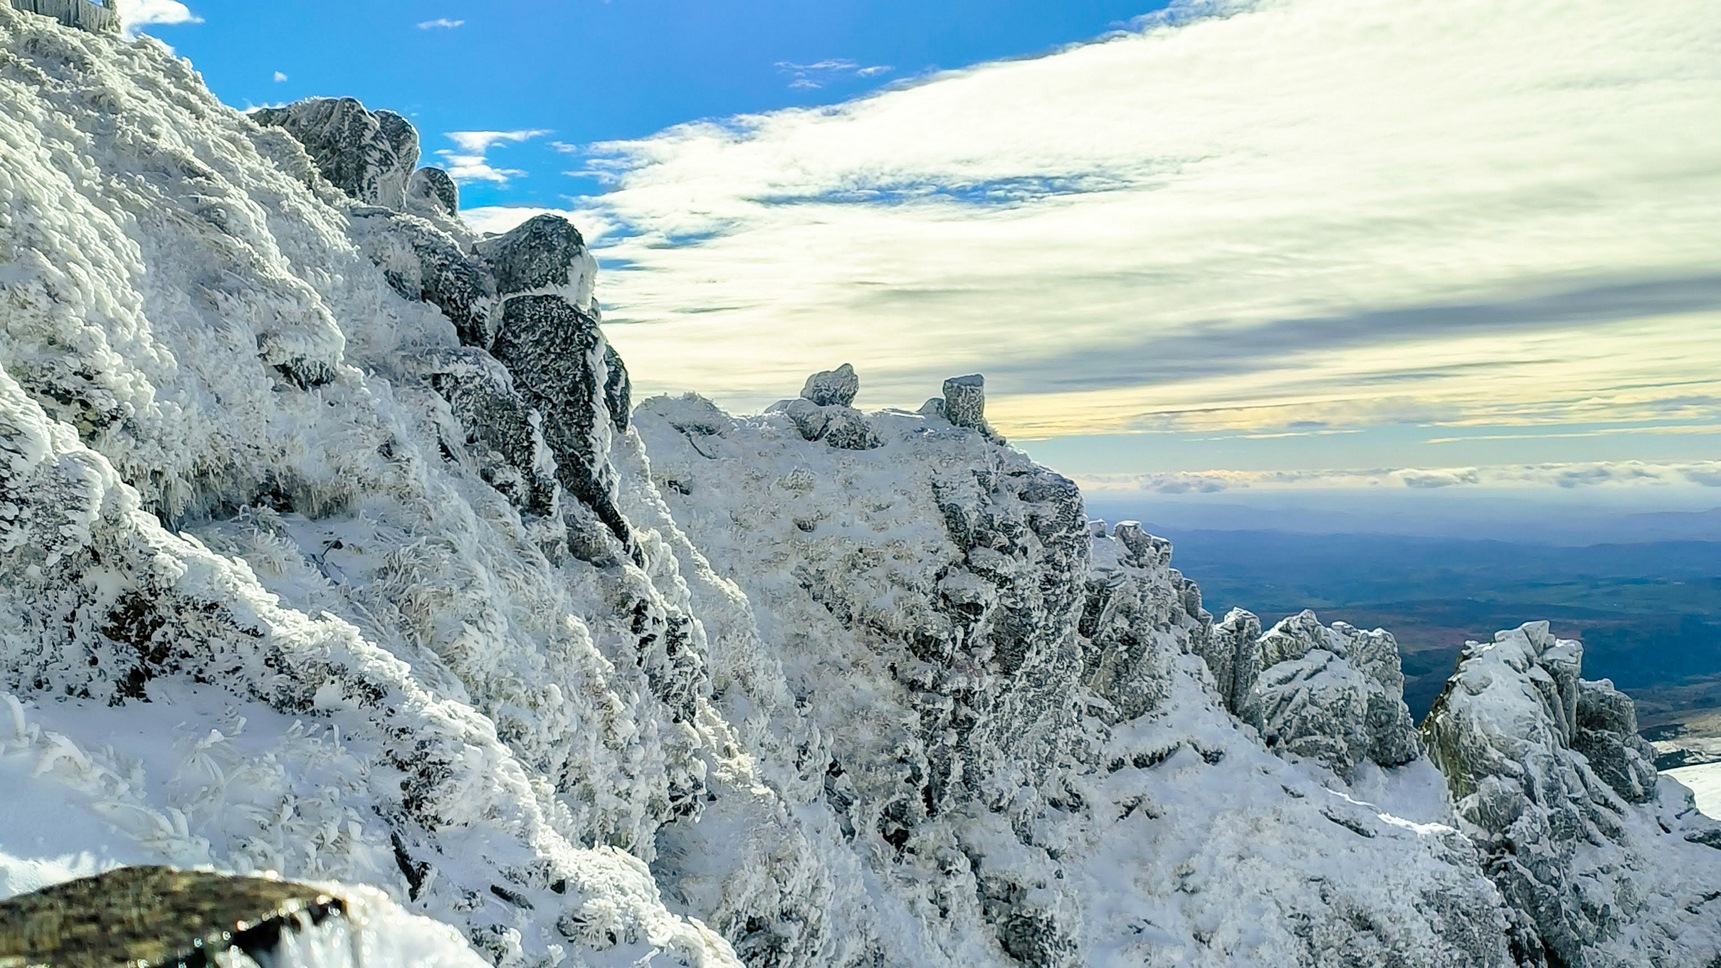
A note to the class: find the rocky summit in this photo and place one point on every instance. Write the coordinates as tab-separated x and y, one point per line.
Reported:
334	544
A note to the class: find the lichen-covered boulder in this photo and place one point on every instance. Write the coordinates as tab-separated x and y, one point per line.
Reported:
836	387
1334	695
543	255
370	155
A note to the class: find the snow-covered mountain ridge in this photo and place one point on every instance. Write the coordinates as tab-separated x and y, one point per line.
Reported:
329	546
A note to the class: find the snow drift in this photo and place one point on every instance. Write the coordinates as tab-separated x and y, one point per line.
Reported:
329	546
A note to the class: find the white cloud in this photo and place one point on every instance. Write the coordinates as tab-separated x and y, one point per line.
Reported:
1571	475
820	73
1455	212
280	77
470	161
140	13
440	23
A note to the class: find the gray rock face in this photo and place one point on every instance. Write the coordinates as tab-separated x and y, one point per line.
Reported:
829	388
618	389
423	263
1138	610
965	401
432	191
1233	655
369	155
1607	736
1546	770
557	357
501	430
543	254
1335	695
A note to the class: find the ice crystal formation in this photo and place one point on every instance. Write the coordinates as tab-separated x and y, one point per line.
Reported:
333	544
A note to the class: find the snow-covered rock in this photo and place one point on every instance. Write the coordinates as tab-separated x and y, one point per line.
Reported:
1600	863
1334	695
836	387
327	547
370	155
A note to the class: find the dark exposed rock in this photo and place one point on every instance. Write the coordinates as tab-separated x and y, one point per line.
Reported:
965	401
369	155
618	389
502	431
424	263
557	357
432	191
1233	655
832	387
156	916
542	254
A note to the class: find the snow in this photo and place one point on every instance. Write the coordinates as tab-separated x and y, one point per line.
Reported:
1704	782
288	585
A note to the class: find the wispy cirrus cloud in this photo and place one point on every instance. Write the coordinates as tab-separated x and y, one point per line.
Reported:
469	160
440	23
820	73
1238	217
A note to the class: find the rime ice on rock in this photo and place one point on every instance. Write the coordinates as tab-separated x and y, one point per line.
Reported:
1335	695
545	254
369	155
832	388
432	191
1548	768
965	401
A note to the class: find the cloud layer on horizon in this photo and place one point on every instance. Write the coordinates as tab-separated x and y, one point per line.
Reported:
1574	475
1450	212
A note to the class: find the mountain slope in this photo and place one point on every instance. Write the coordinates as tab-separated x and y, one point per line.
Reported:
329	546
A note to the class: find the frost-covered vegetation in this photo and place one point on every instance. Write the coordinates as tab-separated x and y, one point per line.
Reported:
331	544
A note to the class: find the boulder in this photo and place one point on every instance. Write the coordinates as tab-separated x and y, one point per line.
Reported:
965	401
546	255
369	155
832	387
431	192
1334	695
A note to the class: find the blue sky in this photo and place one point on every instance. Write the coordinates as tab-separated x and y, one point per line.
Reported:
1247	245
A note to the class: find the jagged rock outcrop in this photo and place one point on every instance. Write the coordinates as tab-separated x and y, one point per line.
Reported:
424	263
1233	654
1569	841
292	580
370	155
557	356
543	255
1335	695
832	388
431	192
